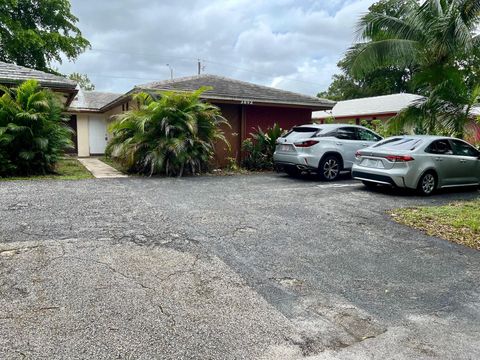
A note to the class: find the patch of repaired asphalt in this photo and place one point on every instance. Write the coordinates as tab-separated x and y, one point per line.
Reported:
81	299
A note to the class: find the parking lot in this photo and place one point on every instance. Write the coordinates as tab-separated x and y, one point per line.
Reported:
257	266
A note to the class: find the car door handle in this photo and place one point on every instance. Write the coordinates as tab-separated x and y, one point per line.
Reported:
438	159
338	143
365	144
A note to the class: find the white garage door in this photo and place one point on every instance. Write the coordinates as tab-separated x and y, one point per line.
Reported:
97	134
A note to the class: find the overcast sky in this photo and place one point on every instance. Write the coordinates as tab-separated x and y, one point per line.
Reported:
289	44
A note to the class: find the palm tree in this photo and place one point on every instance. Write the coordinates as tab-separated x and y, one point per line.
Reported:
169	133
436	39
432	33
33	130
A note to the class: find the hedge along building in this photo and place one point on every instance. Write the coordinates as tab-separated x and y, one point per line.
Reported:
246	106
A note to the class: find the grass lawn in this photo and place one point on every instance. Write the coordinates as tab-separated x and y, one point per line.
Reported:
458	222
67	169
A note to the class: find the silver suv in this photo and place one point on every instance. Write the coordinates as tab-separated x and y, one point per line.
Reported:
325	149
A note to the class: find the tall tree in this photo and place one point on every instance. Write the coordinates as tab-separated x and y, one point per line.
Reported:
434	33
381	80
438	39
82	80
34	33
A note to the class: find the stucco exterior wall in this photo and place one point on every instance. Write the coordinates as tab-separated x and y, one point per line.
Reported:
110	114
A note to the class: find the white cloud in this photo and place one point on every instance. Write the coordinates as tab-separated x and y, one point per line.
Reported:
290	44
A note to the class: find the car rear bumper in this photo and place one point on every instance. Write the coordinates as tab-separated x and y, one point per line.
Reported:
392	177
299	161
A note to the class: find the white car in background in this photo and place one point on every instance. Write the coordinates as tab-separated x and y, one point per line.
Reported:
326	149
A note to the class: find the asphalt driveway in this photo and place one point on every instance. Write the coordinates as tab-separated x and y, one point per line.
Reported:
260	266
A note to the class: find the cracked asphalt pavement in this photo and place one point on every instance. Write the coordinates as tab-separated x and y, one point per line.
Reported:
241	267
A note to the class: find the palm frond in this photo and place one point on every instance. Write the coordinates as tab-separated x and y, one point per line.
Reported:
391	52
376	25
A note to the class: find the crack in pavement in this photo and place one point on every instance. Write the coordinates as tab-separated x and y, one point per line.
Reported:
169	315
179	272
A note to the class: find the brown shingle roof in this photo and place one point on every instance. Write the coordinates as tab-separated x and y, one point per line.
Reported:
13	74
235	90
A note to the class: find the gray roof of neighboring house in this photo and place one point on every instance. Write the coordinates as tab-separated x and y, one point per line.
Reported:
384	104
234	90
92	100
13	74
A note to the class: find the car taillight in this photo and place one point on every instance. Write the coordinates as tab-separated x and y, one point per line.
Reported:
358	155
307	143
399	158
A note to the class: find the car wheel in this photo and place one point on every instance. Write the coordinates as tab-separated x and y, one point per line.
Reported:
329	168
370	185
427	184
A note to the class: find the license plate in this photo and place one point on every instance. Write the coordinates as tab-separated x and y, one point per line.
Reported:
373	163
285	148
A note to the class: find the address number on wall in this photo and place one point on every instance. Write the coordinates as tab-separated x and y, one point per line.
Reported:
247	102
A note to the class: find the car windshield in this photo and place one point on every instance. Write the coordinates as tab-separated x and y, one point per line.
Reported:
399	143
301	132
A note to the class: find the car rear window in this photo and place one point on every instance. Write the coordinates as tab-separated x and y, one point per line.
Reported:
399	143
302	132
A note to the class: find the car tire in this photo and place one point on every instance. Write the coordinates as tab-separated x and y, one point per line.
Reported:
370	185
427	184
329	168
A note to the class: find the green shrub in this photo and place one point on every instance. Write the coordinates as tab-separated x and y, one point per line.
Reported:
329	120
170	133
33	130
379	126
232	164
259	149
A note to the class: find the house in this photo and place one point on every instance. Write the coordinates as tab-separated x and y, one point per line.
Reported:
245	105
12	75
372	108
